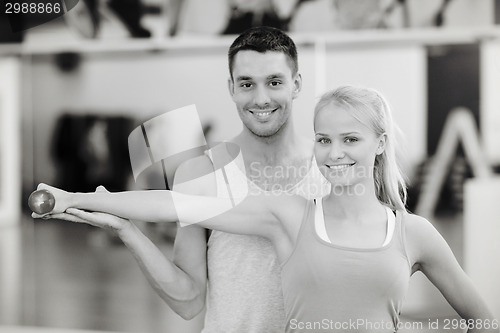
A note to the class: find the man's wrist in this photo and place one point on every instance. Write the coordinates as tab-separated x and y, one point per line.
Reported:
125	230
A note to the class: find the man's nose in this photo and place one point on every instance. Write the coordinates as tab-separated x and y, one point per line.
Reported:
261	97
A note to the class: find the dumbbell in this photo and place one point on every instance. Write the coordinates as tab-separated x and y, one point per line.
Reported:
41	202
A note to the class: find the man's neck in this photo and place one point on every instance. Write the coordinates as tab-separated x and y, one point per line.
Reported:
276	149
280	160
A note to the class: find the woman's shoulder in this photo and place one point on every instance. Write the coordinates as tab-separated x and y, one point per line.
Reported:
421	235
413	220
416	225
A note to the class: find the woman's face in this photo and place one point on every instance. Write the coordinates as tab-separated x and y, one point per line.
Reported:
345	148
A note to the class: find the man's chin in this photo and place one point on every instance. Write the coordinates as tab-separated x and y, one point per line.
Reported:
264	131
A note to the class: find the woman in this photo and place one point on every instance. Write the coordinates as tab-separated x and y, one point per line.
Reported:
346	259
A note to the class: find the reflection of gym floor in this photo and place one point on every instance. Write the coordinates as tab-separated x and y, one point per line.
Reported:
75	276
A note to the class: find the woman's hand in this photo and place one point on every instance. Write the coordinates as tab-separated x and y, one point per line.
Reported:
62	200
97	219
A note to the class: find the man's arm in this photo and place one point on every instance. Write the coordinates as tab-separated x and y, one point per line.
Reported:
190	255
173	284
190	247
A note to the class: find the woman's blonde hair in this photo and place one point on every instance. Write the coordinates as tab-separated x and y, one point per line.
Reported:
370	108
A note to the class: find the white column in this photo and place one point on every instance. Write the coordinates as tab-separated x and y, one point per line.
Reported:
10	148
482	238
490	99
11	278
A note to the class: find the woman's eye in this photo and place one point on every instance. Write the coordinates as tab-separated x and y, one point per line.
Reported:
350	140
323	140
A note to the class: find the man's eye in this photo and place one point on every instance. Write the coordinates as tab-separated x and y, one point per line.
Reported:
246	85
275	83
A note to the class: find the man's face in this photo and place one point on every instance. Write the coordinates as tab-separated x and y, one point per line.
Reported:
263	88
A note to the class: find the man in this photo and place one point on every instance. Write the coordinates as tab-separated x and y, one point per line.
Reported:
241	272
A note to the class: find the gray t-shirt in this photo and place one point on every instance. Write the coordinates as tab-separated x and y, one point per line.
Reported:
244	282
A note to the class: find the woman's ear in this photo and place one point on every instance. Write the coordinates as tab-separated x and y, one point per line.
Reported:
381	143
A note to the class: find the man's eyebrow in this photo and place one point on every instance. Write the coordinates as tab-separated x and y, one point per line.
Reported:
275	76
269	77
243	78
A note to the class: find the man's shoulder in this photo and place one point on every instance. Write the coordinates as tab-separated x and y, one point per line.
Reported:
201	170
195	176
194	168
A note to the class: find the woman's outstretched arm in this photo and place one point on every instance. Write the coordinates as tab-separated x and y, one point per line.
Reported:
257	214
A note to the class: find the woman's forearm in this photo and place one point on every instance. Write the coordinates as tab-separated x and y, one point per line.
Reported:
153	206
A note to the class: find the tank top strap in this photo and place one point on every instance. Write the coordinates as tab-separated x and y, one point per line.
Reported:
401	231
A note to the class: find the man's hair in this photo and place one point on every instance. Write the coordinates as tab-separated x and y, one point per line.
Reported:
264	39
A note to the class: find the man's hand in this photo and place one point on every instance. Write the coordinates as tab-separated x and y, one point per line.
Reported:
97	219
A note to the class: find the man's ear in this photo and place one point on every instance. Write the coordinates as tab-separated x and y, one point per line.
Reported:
297	83
381	144
230	86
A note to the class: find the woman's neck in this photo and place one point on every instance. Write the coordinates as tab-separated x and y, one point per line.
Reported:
352	201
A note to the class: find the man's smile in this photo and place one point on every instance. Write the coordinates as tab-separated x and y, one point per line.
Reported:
262	114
